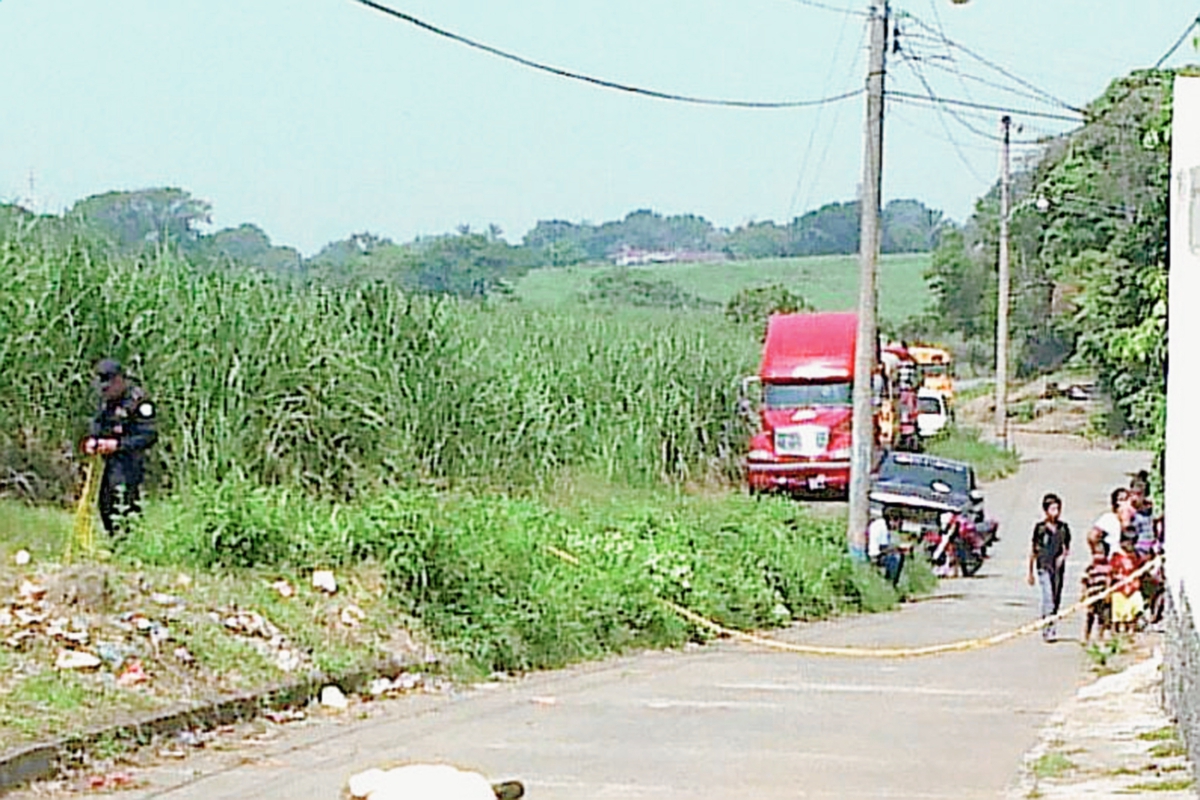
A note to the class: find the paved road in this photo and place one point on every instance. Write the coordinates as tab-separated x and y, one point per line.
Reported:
729	721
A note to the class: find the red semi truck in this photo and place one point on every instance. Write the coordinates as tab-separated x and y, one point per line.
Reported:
805	386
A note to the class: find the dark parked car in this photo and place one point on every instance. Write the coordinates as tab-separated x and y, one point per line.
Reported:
924	488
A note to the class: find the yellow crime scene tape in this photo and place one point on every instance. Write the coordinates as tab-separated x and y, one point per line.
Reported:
959	646
83	540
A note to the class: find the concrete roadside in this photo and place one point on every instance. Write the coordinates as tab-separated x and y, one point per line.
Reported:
1111	739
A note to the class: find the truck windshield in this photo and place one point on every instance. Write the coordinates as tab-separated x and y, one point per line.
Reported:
799	395
929	405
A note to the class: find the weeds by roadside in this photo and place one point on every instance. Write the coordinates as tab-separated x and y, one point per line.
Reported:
965	444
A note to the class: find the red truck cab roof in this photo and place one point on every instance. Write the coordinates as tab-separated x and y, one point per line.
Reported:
809	347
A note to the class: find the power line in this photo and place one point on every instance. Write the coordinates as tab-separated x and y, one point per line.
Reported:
827	7
942	118
985	106
963	76
607	84
812	134
1178	42
993	65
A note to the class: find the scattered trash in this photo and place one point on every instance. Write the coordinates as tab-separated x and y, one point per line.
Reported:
111	654
76	659
114	780
189	738
183	580
285	715
133	674
7	620
379	687
333	698
544	701
22	558
30	592
323	580
284	588
184	655
352	616
163	599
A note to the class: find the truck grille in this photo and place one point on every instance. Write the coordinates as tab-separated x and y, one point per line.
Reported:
802	440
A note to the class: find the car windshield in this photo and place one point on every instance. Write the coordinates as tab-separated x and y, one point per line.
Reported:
925	474
929	405
799	395
931	370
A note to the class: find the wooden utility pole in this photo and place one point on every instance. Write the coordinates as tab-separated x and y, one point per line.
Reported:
1002	292
867	341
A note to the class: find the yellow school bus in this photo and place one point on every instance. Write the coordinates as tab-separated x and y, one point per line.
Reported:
937	369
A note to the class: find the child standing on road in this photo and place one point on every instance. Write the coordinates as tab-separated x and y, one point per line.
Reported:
1127	602
1096	580
1051	546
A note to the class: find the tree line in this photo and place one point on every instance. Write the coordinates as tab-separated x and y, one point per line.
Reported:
1088	253
465	263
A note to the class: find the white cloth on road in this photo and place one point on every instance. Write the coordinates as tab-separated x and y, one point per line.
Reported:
421	782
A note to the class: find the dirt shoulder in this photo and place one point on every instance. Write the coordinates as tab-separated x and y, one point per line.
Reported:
1112	739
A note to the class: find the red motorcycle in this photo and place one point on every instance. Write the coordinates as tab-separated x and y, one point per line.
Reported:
960	545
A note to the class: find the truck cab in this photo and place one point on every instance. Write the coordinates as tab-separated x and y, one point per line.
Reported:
801	402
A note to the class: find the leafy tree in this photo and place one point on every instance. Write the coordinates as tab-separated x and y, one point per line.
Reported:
755	304
622	287
147	217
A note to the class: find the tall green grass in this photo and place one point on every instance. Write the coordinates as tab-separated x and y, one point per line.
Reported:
340	389
480	574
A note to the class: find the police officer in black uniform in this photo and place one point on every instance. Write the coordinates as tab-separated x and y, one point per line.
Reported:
121	431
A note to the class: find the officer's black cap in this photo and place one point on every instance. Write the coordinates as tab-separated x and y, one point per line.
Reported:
108	369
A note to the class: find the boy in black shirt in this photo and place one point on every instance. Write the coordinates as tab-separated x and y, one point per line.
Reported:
1048	555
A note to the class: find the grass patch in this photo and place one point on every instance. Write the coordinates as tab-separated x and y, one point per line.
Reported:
50	703
1052	765
1163	734
43	531
1174	785
1170	749
830	283
964	444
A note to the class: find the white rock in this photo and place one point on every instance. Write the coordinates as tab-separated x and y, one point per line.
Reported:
421	782
21	558
284	588
332	697
76	659
323	579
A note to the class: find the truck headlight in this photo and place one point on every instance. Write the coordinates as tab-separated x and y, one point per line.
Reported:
841	452
760	455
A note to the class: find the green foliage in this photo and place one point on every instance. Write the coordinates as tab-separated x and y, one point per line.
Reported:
1052	765
1089	244
145	218
333	389
622	287
991	462
480	574
908	227
754	305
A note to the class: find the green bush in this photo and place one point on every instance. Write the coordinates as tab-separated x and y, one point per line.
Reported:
481	573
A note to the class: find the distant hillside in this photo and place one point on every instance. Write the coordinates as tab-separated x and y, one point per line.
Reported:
827	282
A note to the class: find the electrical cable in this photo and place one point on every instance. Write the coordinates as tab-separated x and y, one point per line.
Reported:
1025	112
607	84
993	65
942	118
812	134
827	7
1178	42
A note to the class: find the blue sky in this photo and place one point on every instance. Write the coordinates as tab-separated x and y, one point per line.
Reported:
318	118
